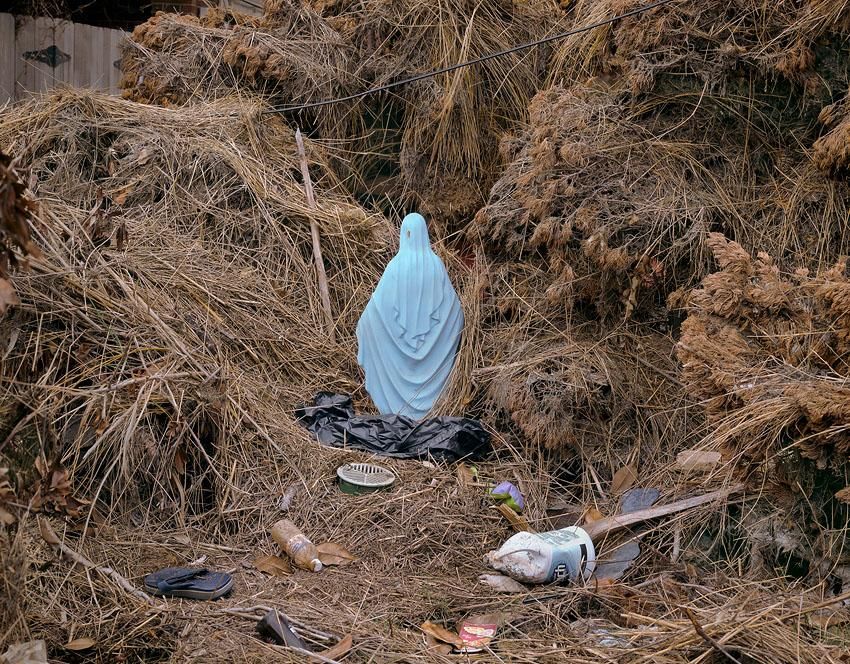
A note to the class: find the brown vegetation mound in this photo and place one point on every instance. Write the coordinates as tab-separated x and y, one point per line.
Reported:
767	354
431	144
178	280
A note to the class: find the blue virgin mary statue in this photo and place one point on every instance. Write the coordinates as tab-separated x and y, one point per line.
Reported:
409	332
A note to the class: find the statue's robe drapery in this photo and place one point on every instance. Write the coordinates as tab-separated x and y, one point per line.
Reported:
409	332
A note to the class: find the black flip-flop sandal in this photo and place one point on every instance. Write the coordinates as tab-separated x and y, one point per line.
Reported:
192	583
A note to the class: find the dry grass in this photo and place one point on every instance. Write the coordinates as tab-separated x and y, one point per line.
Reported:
173	324
149	355
431	144
767	353
723	44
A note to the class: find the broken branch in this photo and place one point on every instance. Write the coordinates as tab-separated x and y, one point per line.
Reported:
49	535
314	233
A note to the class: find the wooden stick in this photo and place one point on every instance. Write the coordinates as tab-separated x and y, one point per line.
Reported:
314	232
516	520
599	529
49	535
712	642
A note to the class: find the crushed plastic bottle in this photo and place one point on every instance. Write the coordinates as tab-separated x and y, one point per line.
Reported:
296	545
556	556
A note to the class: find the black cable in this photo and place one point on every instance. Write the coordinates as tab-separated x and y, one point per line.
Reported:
460	65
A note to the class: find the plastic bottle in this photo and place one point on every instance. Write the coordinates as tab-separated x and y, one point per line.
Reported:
555	556
296	545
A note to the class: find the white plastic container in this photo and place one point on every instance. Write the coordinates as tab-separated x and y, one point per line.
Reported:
557	556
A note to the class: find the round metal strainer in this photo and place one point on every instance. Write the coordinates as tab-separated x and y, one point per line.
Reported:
362	477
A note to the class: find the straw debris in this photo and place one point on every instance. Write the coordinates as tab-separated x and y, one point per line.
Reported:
765	353
431	144
646	224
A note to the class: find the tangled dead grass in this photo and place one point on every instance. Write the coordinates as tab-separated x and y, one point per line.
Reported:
767	354
618	213
657	131
722	45
432	144
290	56
173	323
176	286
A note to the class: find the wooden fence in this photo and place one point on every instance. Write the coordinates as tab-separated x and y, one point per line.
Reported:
37	54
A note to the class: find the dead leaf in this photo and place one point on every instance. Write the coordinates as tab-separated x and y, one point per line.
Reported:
41	466
59	480
592	515
341	649
843	495
464	475
8	297
144	156
502	583
441	633
614	563
179	462
623	480
80	644
436	647
285	501
274	566
334	554
47	532
119	196
697	460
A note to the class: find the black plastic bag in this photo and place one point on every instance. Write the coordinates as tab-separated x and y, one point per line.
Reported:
332	419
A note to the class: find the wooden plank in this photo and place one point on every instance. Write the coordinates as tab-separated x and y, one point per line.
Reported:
117	40
7	58
110	53
43	73
81	76
95	61
119	52
63	74
24	70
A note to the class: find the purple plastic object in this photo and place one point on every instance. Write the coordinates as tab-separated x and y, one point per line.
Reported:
508	493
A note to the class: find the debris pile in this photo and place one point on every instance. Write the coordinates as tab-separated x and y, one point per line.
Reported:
290	55
175	287
766	355
431	143
646	227
670	129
